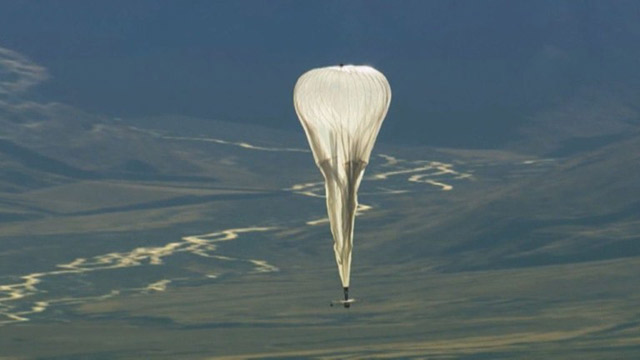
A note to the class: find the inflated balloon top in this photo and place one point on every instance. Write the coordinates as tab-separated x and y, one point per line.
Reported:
347	102
341	109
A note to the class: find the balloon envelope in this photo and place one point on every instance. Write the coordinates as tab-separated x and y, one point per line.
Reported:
341	109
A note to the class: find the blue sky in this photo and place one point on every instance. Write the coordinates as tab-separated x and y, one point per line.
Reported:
463	73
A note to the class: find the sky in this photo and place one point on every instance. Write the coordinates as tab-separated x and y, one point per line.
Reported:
463	73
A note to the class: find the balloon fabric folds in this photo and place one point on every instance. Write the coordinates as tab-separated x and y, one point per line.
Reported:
341	109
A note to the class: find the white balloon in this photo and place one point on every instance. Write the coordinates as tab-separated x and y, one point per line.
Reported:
341	109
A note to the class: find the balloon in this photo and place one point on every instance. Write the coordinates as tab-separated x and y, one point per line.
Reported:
341	109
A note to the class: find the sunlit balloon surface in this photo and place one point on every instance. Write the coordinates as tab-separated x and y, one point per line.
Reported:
341	109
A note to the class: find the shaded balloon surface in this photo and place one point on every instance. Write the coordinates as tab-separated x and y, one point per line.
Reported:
341	109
